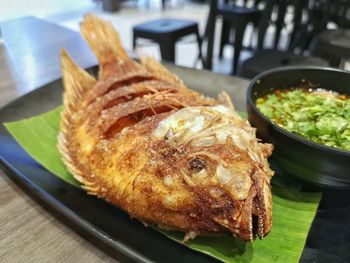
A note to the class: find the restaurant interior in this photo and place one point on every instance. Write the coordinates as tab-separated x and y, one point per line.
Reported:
212	45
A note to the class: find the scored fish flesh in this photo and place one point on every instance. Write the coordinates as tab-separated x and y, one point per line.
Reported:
138	138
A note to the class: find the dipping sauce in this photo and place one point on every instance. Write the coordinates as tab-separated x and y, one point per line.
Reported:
319	115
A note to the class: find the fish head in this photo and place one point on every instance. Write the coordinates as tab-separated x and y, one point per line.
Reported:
215	153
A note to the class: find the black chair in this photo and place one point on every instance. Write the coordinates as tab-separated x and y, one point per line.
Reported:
337	11
166	32
332	45
238	17
318	17
226	29
277	55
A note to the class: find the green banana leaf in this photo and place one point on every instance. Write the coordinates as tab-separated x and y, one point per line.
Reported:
293	211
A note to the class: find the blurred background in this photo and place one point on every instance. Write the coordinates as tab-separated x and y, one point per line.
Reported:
264	33
238	38
68	14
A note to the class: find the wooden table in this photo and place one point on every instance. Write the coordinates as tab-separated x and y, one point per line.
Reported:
29	230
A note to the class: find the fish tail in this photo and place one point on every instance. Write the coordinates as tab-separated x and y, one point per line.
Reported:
103	39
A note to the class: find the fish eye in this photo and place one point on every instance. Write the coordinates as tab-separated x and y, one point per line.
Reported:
196	164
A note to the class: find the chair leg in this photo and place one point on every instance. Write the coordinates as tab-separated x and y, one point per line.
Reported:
239	33
225	37
167	49
209	34
335	62
199	41
133	42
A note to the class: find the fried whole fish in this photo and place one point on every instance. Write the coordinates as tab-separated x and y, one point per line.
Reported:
167	155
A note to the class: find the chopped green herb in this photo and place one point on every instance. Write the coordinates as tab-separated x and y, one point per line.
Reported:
318	115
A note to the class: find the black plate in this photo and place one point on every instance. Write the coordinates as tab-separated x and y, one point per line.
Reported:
113	230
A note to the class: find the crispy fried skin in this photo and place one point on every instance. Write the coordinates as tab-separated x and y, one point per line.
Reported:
140	139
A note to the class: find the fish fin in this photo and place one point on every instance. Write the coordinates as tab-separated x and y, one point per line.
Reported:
225	99
103	39
159	71
76	82
190	235
155	68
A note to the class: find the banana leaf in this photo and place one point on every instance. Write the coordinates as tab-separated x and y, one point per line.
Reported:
293	211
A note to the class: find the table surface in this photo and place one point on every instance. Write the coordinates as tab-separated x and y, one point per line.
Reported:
29	58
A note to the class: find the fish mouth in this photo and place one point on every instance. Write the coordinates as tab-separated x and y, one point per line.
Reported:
261	208
258	229
255	219
256	222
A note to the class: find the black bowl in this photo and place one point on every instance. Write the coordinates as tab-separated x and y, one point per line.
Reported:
309	161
